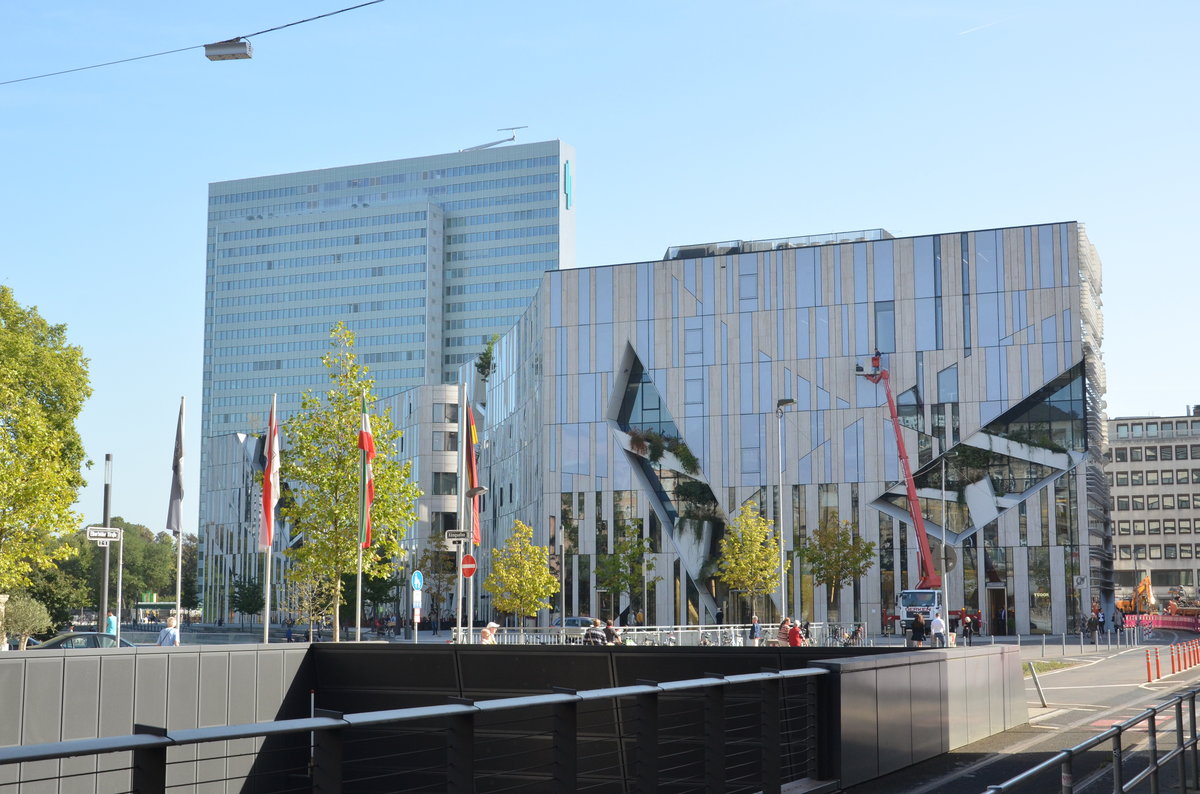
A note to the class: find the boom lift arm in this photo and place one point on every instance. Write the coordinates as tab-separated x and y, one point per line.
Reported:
930	578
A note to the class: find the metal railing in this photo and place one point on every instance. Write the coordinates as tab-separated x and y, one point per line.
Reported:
740	733
1158	749
841	635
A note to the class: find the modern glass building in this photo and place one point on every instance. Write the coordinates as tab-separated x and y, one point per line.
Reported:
992	342
424	259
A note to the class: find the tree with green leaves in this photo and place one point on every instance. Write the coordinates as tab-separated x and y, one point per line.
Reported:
310	598
66	588
627	570
25	617
190	589
485	364
520	582
322	465
749	555
247	598
43	385
837	555
437	568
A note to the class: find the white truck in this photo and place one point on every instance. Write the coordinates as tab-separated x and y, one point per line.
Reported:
918	602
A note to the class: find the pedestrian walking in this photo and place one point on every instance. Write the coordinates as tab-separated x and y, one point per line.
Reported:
110	623
794	637
781	636
755	631
967	627
169	636
918	631
938	627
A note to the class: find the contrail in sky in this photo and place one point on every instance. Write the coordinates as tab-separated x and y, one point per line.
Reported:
978	27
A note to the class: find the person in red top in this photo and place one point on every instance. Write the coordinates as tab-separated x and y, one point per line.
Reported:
794	636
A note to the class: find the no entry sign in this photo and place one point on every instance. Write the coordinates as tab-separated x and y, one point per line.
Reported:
468	566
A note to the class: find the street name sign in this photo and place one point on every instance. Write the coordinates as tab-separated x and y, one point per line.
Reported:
103	533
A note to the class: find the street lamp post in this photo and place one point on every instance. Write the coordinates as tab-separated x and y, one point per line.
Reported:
945	540
780	405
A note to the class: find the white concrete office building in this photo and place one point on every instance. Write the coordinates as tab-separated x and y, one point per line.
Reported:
424	259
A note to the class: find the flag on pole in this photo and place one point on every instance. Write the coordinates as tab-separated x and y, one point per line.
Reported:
270	486
366	442
473	473
175	509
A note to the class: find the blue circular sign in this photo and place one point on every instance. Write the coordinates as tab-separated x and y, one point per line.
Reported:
418	581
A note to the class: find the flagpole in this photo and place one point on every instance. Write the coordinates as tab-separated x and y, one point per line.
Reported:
463	520
362	523
267	528
179	530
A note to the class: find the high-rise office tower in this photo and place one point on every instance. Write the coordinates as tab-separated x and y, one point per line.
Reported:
424	259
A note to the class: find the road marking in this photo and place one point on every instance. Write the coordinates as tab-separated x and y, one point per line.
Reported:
1093	686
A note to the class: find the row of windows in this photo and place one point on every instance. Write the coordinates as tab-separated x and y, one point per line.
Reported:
321	311
320	276
322	260
1167	501
466	341
459	358
386	179
322	242
321	294
1164	429
1154	526
304	363
481	322
298	207
307	380
502	234
1165	452
1152	477
495	286
324	226
504	250
1169	551
539	266
316	328
321	344
480	306
512	216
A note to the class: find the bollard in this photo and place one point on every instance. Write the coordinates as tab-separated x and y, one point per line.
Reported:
1043	646
1173	670
1149	677
1064	641
1157	664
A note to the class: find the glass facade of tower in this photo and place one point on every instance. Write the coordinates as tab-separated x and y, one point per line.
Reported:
424	259
642	399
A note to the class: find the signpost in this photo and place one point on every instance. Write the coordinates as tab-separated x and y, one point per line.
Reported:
418	582
468	566
456	535
102	536
103	533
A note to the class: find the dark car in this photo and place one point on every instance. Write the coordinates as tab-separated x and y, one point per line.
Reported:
85	639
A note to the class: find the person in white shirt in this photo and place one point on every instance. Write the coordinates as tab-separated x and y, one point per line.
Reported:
170	635
938	628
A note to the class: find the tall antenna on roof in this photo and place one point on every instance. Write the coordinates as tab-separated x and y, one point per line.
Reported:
511	137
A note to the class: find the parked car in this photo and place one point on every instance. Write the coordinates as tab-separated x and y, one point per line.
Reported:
576	626
85	639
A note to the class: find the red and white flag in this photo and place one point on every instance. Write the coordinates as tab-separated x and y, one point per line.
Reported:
270	487
366	442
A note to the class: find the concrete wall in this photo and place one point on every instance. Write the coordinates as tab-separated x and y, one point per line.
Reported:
889	712
52	695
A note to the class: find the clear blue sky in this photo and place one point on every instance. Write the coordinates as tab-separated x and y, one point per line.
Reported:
693	122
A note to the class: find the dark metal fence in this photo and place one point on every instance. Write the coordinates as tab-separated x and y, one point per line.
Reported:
738	733
1157	747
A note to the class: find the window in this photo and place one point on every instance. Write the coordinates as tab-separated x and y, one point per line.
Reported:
1139	552
1123	478
1168	477
1169	552
1168	526
1154	527
1122	431
1151	453
445	412
1122	502
1137	503
1195	475
1121	454
1168	501
1185	526
441	522
1139	527
1165	453
1156	552
1183	501
1122	527
1195	452
1185	551
1151	502
1135	478
445	441
1152	478
1151	429
1126	552
1136	430
1181	451
445	483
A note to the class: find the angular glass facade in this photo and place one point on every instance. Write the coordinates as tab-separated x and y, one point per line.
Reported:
648	392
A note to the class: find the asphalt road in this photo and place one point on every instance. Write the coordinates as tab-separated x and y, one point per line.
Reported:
1108	687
